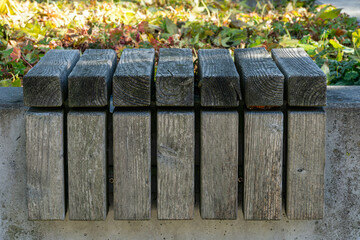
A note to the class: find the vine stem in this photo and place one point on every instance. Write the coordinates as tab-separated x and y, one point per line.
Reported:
22	57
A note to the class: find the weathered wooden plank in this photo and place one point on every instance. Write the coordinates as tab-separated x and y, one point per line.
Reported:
45	85
261	80
219	80
175	164
305	82
305	164
90	80
133	77
263	156
45	165
219	164
175	77
132	165
87	165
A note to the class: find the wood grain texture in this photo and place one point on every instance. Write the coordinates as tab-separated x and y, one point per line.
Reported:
45	85
219	80
305	81
305	164
45	165
175	164
175	77
263	156
219	164
133	77
87	165
261	80
90	80
132	165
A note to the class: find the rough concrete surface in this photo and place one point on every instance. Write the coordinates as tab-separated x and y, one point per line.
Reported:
342	190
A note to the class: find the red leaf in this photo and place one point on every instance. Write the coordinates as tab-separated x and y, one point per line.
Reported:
16	54
154	42
143	26
116	33
171	40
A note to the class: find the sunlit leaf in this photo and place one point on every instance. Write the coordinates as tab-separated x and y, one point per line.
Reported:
5	83
335	43
288	42
328	13
8	7
325	68
356	38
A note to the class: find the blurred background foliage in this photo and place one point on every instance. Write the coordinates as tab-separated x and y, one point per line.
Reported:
28	29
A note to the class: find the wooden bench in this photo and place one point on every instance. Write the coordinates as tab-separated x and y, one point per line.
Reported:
253	126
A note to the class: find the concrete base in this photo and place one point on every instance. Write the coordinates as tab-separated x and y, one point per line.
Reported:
342	189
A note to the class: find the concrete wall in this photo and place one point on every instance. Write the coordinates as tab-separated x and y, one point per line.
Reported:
342	189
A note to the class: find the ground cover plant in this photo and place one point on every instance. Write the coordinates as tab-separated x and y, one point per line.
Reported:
28	29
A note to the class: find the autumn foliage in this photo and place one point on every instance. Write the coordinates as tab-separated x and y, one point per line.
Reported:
28	29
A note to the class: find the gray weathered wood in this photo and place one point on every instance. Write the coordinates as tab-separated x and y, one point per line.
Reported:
133	77
305	164
175	164
175	77
304	80
45	165
219	80
132	165
90	80
263	156
261	80
87	165
45	85
219	164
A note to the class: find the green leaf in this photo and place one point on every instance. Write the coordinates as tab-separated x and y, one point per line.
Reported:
310	49
339	56
6	53
18	68
194	40
328	14
170	26
217	41
224	42
3	44
28	47
165	35
351	76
